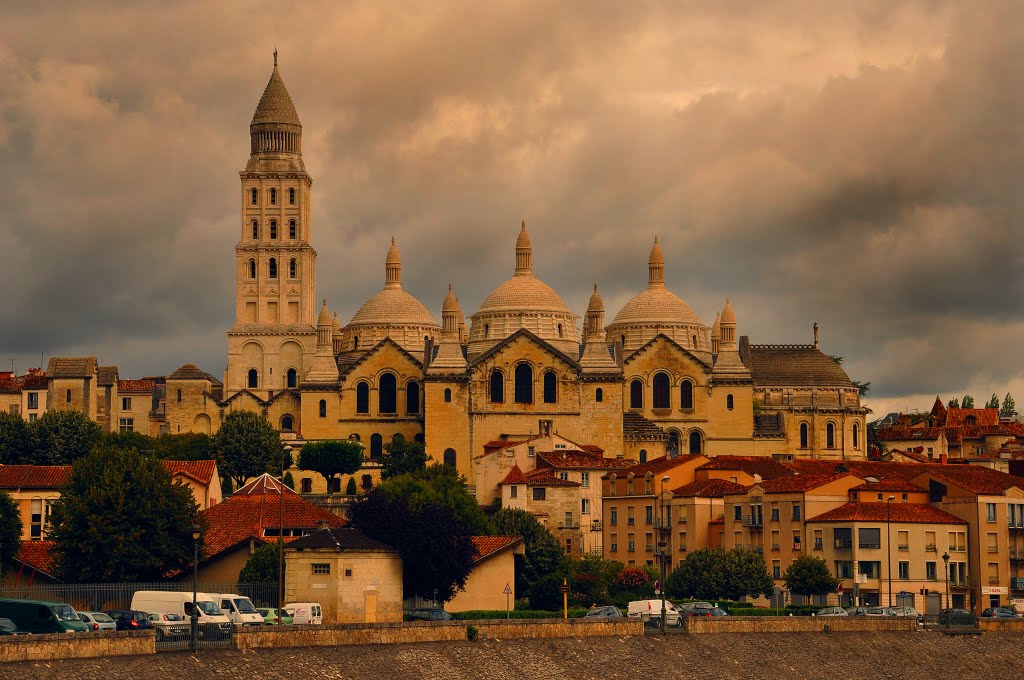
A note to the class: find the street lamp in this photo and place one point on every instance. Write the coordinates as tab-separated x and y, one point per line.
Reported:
663	557
945	562
280	534
888	544
197	532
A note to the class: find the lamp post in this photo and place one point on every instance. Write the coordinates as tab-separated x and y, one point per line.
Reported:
945	562
285	450
662	546
197	531
888	544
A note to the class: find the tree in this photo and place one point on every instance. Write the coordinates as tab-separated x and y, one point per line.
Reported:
993	402
10	531
61	437
288	480
15	439
138	441
862	387
332	457
544	554
350	488
440	484
403	456
120	518
546	593
633	578
262	565
967	401
184	446
808	575
1009	408
247	445
701	575
954	403
746	574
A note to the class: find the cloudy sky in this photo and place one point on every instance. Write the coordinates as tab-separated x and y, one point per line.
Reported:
858	164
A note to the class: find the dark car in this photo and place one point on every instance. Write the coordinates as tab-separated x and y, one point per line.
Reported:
8	627
718	611
956	617
1000	613
429	615
604	612
700	610
128	619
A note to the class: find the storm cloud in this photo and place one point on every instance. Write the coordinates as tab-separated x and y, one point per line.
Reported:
855	164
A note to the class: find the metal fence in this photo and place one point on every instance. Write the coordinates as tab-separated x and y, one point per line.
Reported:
118	596
955	620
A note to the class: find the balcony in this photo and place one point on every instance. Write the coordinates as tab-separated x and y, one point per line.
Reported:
797	546
682	519
903	548
1017	553
993	548
660	523
755	521
649	548
776	547
1017	583
843	545
568	525
595	525
957	548
869	546
630	521
993	580
1017	525
959	584
930	548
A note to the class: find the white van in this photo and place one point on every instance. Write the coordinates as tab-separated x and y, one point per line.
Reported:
238	609
650	612
305	613
212	621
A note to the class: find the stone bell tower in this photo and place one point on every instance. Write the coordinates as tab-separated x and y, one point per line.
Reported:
273	340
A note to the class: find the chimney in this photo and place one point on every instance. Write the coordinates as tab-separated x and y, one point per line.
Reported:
322	525
943	459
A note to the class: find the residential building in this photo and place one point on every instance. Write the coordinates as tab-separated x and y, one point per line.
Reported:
493	574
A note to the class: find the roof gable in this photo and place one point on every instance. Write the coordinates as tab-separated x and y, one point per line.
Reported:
387	344
520	334
661	337
487	547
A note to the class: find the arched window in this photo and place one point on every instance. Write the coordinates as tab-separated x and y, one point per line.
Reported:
363	397
830	436
323	408
292	379
662	399
447	396
387	394
449	457
251	373
418	437
673	442
67	396
487	330
376	446
273	197
255	196
559	330
524	383
856	435
292	230
252	268
695	443
254	380
291	197
412	398
636	394
286	423
686	395
599	395
354	437
803	435
398	438
292	267
273	229
550	387
695	341
729	401
497	387
272	268
643	455
355	342
255	230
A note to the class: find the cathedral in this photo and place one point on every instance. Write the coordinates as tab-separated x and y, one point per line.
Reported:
655	381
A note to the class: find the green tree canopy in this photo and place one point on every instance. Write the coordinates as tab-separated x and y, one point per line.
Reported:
331	458
993	402
544	554
439	484
10	531
953	403
403	456
120	518
15	439
809	575
184	446
967	401
262	565
350	488
247	445
746	574
701	575
1009	407
142	443
61	437
546	593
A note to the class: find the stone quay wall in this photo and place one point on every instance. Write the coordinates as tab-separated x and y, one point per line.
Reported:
795	624
76	645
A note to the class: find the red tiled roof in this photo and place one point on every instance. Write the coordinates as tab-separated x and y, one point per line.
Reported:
546	477
717	520
861	468
888	485
501	444
886	434
709	488
592	448
976	479
581	460
135	386
955	417
938	410
37	555
10	385
913	454
514	476
34	476
487	546
899	513
661	464
264	485
766	467
800	482
34	381
200	470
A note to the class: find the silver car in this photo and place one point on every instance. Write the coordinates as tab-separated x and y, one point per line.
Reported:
909	613
97	621
170	626
832	611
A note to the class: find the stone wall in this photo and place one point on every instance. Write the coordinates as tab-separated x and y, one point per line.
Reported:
75	645
795	624
1001	625
449	631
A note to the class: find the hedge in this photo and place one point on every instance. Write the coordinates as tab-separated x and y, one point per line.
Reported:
476	614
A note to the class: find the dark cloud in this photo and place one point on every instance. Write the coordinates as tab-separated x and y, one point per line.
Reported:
857	166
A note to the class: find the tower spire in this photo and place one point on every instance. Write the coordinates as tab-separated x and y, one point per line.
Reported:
656	267
275	56
524	253
393	267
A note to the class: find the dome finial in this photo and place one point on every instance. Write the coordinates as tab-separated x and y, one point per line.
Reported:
275	56
656	267
524	253
393	267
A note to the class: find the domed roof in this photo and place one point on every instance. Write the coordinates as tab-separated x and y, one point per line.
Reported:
393	306
716	328
657	306
276	104
525	293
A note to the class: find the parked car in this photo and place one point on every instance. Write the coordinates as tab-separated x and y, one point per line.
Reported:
130	619
956	617
1000	613
38	616
856	611
604	612
272	618
170	626
213	624
909	612
832	611
305	613
429	615
879	612
650	612
238	609
97	621
8	627
702	611
687	607
718	611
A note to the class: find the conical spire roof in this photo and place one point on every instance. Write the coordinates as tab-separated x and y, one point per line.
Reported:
325	316
728	316
596	303
451	303
657	256
276	104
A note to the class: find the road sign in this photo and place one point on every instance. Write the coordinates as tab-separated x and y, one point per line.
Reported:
508	589
564	588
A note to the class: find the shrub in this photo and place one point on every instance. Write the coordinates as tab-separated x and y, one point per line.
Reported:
471	633
633	578
485	614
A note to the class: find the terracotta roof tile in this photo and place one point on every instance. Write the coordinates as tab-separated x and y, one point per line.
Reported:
976	479
765	466
135	386
580	460
955	417
514	476
709	488
637	428
795	365
888	485
899	513
38	555
886	434
546	477
189	372
11	385
106	376
200	470
34	381
340	538
487	546
660	465
799	483
71	367
34	476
